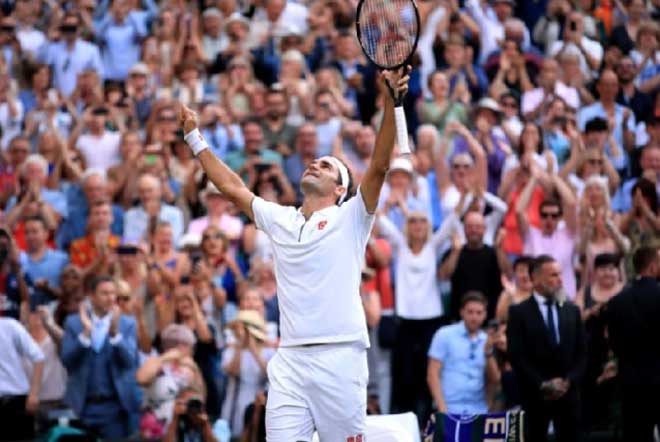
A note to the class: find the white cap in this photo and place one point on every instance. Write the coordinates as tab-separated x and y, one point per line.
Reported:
402	164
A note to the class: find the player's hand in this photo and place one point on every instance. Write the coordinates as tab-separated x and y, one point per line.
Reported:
397	82
188	119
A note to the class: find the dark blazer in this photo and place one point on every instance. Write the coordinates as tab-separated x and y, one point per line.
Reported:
633	324
76	358
533	356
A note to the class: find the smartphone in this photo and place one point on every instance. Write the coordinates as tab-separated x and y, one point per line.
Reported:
127	250
150	159
493	324
573	26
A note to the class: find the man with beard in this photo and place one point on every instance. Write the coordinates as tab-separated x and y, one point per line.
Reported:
548	353
278	134
629	95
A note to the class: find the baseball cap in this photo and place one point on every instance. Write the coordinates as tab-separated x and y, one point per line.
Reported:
402	164
139	69
488	103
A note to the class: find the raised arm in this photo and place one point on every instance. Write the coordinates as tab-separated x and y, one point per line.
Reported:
225	179
374	177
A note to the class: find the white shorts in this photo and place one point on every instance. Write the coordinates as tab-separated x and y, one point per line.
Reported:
322	387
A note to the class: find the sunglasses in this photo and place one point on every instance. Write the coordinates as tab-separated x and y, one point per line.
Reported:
417	220
167	118
509	104
213	235
553	215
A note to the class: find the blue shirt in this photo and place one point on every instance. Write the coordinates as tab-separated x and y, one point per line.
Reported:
53	198
67	64
49	267
463	373
596	110
120	44
219	141
136	222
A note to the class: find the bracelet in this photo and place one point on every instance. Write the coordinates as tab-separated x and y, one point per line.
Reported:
196	141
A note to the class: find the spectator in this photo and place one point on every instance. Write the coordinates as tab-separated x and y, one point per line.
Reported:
92	249
92	189
629	94
443	107
278	133
119	33
41	264
598	390
224	136
649	162
11	111
245	364
548	354
70	56
99	147
516	290
402	193
31	188
642	224
151	209
189	419
620	119
217	215
164	261
629	321
535	103
20	394
165	376
99	351
17	151
140	92
553	237
417	304
589	51
461	361
255	152
459	263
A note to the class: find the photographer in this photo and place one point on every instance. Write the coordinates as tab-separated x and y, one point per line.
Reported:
189	419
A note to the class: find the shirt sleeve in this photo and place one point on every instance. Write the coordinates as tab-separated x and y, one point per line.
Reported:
265	213
438	349
27	346
361	219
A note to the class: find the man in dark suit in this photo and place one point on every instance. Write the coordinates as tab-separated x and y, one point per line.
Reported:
633	326
99	351
548	353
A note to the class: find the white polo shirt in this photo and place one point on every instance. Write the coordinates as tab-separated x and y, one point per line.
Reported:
318	265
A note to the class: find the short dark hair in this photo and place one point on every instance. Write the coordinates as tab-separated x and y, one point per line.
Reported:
101	279
37	218
644	257
539	262
473	296
606	259
550	202
523	260
596	124
250	120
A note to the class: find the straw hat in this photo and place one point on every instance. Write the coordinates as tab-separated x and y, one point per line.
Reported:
253	321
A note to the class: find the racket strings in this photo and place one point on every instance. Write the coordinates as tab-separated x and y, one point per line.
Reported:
388	30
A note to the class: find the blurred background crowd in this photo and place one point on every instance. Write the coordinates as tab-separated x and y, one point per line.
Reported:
147	304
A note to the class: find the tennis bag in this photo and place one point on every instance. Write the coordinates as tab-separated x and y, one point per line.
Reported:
493	427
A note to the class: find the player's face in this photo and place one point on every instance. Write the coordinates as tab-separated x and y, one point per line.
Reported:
321	178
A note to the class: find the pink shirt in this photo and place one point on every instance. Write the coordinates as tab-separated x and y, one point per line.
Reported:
232	226
561	246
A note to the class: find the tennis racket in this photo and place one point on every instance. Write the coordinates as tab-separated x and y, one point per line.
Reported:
388	31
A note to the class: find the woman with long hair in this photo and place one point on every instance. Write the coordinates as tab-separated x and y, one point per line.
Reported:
417	304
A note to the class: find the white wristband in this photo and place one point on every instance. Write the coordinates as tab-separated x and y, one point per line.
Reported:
196	141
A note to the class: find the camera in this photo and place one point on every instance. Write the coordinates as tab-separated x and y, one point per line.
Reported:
194	407
262	167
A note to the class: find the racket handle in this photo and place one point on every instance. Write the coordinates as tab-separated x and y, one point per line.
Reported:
401	130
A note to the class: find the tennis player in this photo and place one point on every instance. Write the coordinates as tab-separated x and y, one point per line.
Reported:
318	378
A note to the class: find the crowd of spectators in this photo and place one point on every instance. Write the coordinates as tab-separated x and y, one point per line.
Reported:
135	294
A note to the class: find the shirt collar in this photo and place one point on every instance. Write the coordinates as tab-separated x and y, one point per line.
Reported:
96	319
541	300
325	212
465	332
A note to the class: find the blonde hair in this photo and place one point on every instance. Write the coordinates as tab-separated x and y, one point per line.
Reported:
416	214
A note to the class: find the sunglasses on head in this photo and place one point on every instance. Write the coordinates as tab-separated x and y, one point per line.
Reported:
553	215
